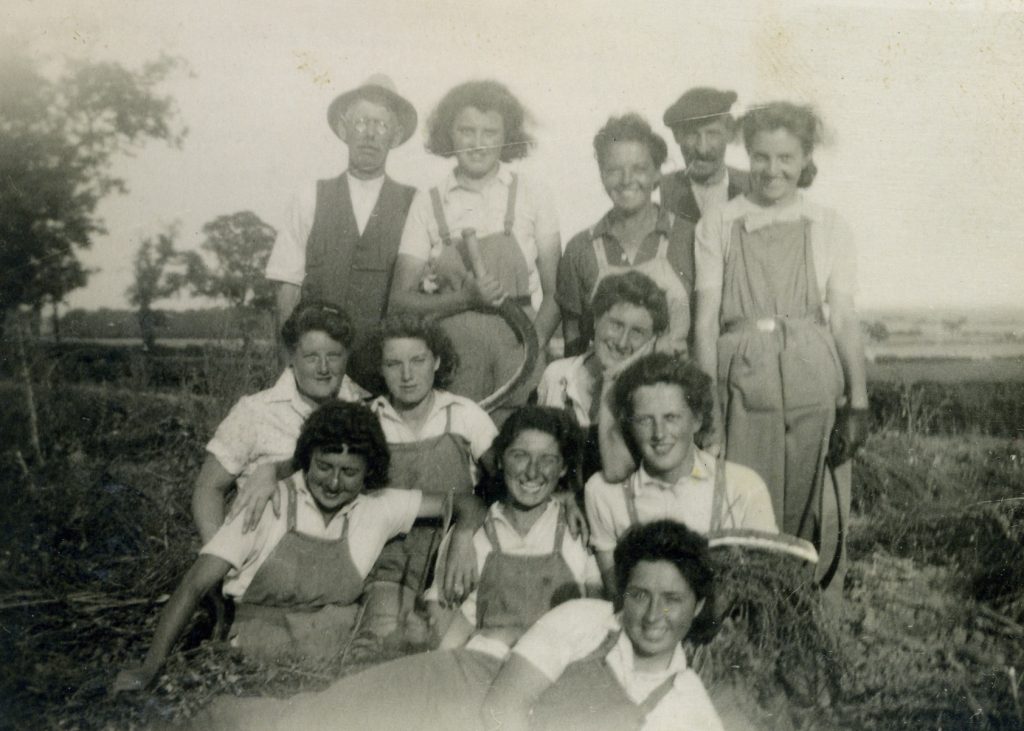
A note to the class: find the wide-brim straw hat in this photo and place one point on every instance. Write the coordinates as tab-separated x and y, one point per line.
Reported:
404	111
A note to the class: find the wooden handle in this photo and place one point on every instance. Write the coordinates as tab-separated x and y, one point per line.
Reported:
473	249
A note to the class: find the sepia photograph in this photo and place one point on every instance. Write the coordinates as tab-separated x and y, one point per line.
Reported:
488	365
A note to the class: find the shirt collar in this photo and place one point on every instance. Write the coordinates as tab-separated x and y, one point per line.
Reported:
702	471
285	389
574	376
384	410
502	177
367	185
755	217
662	225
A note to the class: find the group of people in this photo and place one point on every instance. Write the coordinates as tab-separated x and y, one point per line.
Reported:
553	548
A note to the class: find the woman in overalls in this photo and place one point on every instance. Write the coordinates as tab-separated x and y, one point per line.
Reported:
776	326
589	664
528	564
436	441
635	234
296	578
482	125
629	312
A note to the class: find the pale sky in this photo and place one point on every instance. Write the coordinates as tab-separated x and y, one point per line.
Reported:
923	102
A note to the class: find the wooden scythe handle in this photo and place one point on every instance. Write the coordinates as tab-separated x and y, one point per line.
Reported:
515	318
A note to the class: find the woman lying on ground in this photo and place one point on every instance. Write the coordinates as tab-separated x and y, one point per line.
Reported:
629	312
297	577
263	427
528	564
590	665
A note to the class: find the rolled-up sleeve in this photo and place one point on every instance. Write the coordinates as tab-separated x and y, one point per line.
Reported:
597	497
843	276
234	444
416	234
287	262
709	251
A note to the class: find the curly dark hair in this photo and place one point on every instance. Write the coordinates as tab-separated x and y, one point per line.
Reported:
664	368
800	120
687	550
486	96
634	288
407	325
559	423
317	315
630	127
340	426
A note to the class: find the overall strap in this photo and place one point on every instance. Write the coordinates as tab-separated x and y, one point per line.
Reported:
662	253
599	253
718	497
559	531
442	223
492	535
606	645
654	698
811	275
510	209
627	492
292	503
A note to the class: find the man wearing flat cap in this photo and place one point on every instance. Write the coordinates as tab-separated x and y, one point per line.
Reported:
702	124
341	239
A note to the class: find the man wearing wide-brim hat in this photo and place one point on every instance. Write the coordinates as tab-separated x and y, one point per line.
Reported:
341	238
703	127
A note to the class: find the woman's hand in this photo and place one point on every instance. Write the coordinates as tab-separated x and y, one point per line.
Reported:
132	679
486	291
609	376
848	435
460	571
260	488
575	520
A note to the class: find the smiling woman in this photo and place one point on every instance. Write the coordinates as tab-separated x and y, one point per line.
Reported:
585	665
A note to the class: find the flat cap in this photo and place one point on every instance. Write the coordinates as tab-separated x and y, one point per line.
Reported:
697	104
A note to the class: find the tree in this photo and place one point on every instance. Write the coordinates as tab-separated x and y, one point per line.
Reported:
59	138
153	281
877	331
239	244
58	141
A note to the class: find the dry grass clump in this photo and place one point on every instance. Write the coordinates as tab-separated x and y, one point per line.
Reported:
776	640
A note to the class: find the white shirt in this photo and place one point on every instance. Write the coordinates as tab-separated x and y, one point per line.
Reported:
468	420
562	382
263	427
573	630
711	196
287	262
374	518
536	220
747	503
